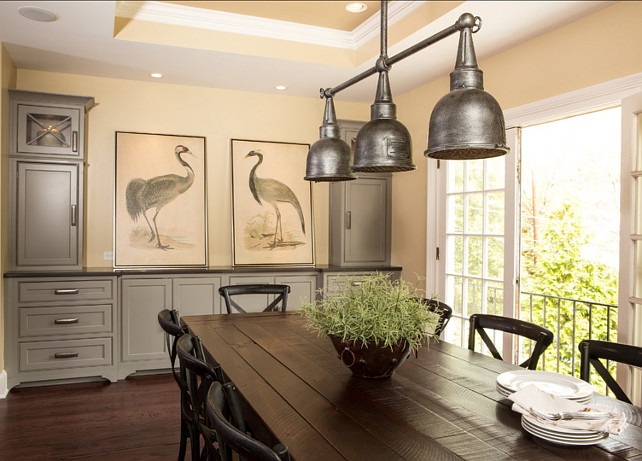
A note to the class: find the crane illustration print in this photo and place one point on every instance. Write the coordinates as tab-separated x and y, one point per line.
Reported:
160	200
272	203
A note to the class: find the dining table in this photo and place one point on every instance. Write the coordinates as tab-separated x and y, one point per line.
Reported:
440	404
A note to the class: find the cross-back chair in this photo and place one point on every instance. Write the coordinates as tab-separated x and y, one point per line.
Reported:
224	435
279	303
444	311
543	337
592	350
199	375
174	328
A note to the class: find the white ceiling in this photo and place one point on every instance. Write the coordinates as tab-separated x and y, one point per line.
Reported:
82	41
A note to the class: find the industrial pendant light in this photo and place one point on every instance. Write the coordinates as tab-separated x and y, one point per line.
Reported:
465	124
330	157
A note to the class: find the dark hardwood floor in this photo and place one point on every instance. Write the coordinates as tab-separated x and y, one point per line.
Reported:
134	419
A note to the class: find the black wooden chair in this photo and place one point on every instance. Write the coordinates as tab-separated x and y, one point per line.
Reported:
592	350
444	310
281	292
226	437
543	337
174	328
199	375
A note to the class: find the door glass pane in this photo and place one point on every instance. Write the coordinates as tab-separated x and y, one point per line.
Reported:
495	224
474	175
474	254
475	213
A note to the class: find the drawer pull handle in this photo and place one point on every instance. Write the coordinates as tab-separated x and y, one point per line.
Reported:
66	291
357	283
65	321
65	355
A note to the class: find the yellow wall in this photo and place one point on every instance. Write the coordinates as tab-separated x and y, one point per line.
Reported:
7	80
598	48
219	115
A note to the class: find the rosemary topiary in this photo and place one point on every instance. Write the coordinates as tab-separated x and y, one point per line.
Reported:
372	309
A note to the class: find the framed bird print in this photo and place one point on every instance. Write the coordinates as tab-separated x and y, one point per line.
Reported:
271	204
160	201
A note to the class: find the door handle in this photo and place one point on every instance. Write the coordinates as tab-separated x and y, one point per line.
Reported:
74	141
74	217
348	219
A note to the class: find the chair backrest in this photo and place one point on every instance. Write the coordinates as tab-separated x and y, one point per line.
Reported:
281	292
198	372
444	310
543	337
592	350
174	328
229	437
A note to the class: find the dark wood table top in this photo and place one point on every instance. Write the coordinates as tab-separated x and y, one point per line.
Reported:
441	405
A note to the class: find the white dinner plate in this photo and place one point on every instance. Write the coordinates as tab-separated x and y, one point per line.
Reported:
504	392
559	431
559	385
562	439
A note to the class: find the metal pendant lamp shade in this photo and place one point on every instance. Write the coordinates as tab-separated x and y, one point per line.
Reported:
467	123
329	159
383	144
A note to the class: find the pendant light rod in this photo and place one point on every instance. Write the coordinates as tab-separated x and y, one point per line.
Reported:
466	20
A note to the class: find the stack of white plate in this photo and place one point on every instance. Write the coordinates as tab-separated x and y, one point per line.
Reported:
559	385
555	434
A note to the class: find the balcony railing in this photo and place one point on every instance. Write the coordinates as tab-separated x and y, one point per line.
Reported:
571	320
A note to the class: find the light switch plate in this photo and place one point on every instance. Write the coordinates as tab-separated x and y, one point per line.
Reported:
108	255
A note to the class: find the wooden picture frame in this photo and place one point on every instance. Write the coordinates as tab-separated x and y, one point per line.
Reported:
271	204
160	201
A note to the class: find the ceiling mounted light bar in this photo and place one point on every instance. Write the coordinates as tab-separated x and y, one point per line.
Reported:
467	123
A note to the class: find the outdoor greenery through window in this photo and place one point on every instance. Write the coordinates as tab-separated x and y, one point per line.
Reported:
570	202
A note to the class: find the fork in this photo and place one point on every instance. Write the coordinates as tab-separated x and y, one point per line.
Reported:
583	413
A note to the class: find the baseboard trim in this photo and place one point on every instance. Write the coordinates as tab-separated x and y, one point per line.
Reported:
3	384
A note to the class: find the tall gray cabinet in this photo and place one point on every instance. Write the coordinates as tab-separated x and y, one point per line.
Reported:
47	139
360	215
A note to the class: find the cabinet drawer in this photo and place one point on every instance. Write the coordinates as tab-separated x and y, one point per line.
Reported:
64	291
334	281
58	355
42	321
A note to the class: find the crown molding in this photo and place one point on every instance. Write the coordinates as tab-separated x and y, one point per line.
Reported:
221	21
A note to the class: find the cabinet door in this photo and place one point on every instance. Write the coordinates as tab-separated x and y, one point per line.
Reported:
141	301
48	215
366	221
48	130
302	288
197	295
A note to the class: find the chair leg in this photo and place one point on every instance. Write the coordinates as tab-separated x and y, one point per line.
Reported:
183	446
195	443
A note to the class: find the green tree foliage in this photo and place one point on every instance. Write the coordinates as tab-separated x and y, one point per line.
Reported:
553	265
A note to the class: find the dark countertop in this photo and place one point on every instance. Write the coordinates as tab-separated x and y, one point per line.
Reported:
105	271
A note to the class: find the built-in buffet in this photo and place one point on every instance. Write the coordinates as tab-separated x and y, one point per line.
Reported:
103	324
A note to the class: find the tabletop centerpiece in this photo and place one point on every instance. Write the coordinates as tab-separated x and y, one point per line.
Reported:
374	323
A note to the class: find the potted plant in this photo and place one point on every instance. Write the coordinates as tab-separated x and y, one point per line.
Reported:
374	323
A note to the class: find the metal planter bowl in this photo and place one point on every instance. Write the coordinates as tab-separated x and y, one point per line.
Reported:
370	360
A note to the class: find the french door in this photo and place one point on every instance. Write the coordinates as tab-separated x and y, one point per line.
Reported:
473	215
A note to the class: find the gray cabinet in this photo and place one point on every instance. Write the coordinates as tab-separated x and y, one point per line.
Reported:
60	328
46	177
360	215
47	208
142	340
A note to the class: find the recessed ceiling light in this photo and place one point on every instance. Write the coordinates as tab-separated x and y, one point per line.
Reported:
356	7
281	87
156	75
37	14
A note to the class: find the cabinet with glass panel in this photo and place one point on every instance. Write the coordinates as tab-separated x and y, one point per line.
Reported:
46	150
